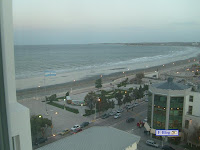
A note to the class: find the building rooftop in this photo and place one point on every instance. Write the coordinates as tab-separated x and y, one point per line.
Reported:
170	85
95	138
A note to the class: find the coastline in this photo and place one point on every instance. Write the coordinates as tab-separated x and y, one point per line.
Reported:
89	83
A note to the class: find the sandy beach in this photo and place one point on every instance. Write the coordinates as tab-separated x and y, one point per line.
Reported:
87	84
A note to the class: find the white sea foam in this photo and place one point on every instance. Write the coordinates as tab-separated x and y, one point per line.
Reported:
75	68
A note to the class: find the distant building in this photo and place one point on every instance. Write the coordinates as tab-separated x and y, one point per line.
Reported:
173	106
96	138
154	75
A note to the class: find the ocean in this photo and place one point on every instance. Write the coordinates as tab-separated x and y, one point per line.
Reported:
78	61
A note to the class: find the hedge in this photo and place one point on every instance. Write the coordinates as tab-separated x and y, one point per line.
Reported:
74	110
89	112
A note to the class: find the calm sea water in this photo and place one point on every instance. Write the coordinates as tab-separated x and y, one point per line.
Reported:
32	61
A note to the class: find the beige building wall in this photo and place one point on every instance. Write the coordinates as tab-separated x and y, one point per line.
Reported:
132	147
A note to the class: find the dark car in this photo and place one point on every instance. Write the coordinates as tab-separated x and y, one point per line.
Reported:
84	124
77	130
166	147
129	120
105	116
40	141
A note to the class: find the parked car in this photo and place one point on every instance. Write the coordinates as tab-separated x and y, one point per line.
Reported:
166	147
146	100
112	113
40	141
152	143
145	120
127	106
120	110
75	127
130	106
136	104
84	124
105	116
129	120
77	130
117	115
64	132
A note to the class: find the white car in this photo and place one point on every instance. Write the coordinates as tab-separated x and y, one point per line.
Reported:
117	115
152	143
120	110
145	120
112	113
75	127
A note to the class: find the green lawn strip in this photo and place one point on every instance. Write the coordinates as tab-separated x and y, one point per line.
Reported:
63	97
74	110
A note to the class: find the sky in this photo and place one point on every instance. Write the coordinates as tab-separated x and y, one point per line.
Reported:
39	22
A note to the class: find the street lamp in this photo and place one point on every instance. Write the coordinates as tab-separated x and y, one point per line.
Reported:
36	93
82	109
71	88
98	100
64	103
52	124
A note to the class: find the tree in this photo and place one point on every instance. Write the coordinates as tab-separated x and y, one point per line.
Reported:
37	124
146	87
127	98
112	104
141	92
119	97
136	93
194	136
67	94
98	83
51	98
90	100
140	75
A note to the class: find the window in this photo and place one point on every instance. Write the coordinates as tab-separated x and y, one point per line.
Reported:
186	124
191	98
16	142
190	110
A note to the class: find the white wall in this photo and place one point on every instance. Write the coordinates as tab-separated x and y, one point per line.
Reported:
195	103
132	147
17	115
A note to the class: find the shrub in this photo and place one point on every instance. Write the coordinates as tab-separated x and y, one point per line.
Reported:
89	112
74	110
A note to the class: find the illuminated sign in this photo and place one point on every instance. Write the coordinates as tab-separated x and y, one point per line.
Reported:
167	133
49	73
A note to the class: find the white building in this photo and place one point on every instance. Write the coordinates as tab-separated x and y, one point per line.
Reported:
173	106
96	138
15	118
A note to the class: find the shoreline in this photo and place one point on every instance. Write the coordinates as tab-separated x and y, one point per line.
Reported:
90	81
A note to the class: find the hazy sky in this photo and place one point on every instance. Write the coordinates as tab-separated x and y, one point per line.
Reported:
105	21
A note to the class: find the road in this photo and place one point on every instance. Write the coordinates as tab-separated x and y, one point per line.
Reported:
139	113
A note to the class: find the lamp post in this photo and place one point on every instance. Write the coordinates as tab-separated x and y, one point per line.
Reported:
74	84
82	109
64	103
52	123
36	92
98	100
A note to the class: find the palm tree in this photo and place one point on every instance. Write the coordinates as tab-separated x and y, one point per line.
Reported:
90	100
119	97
